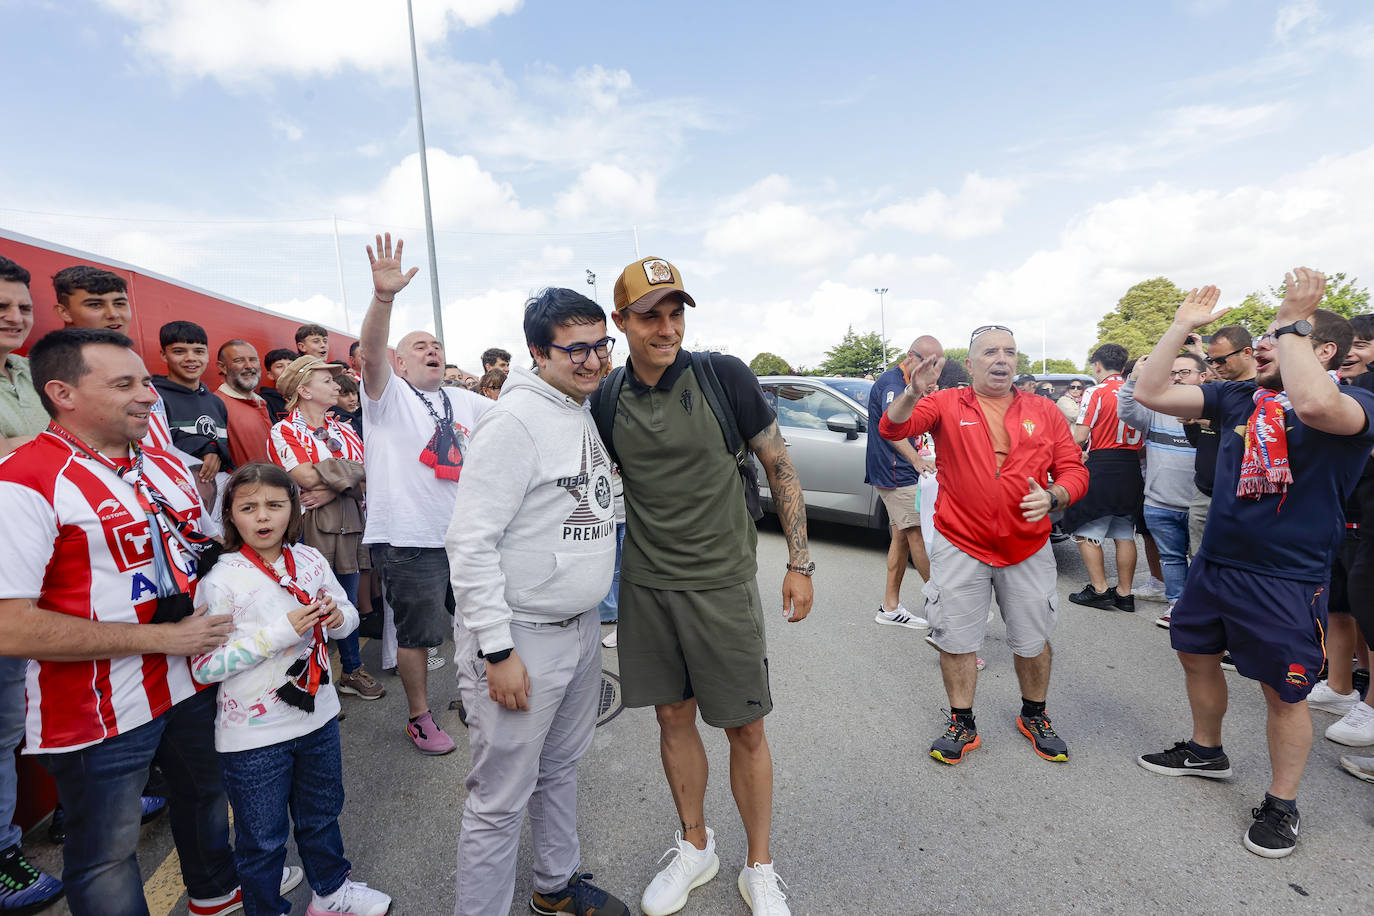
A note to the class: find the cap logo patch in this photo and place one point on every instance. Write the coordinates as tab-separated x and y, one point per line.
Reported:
658	271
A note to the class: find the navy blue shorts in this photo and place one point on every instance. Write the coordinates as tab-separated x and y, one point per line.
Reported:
1275	629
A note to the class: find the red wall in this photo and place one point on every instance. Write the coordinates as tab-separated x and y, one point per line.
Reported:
156	301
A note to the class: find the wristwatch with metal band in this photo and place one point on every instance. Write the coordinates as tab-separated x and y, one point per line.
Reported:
806	570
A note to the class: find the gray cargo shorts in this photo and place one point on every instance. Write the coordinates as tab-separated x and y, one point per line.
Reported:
961	589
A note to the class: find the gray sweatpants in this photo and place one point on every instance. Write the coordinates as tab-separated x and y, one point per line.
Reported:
526	759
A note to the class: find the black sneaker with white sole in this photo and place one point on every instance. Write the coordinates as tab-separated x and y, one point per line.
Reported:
1275	830
1181	760
1091	597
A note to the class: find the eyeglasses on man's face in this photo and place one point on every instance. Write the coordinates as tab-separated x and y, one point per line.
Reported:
579	352
1182	373
1219	360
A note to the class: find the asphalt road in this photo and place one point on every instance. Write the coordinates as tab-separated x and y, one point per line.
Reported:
864	821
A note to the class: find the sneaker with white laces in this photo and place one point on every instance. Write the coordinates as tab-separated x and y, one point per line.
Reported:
291	877
1359	767
1327	700
1355	729
1164	620
1152	590
353	898
759	886
901	617
690	868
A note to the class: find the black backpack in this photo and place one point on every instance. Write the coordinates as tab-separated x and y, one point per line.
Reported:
711	389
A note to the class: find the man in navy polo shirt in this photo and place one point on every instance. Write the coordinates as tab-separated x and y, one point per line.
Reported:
894	469
1292	447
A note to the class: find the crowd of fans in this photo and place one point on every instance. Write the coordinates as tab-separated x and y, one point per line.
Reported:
517	510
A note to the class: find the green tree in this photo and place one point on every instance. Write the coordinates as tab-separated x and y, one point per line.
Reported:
1058	365
858	355
1258	309
769	364
1023	361
1141	316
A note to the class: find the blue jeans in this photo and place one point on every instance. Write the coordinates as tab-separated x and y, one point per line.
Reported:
100	786
11	736
1169	527
609	609
305	777
349	657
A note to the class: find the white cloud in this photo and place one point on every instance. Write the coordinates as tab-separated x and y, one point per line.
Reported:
781	233
608	192
463	196
317	309
1241	239
240	41
1301	14
1181	133
976	209
288	129
891	268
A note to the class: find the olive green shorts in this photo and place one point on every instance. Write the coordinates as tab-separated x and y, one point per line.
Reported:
710	645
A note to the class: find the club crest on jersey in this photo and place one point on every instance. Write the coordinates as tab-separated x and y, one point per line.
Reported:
686	400
1028	426
1297	676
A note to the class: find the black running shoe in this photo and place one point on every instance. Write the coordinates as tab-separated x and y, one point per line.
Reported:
1360	681
1091	597
1228	662
1275	830
1043	738
1124	603
580	897
1180	760
959	738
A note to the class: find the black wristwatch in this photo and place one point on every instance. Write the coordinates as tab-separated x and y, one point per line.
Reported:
807	570
1302	327
497	657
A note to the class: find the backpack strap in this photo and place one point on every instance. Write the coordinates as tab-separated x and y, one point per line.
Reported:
714	393
605	408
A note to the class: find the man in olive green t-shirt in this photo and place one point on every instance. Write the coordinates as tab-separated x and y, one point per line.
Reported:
691	631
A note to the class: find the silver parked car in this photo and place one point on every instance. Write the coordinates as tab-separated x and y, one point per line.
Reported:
824	422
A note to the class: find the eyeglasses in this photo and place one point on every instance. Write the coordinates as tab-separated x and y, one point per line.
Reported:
1181	373
1218	360
984	329
579	352
1075	388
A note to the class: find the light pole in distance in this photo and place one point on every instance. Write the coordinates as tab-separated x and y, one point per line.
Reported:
591	281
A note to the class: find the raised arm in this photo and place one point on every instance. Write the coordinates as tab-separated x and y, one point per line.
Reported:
924	373
1316	400
387	280
1153	387
786	488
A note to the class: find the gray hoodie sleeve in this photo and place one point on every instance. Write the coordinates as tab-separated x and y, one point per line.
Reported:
498	469
1136	415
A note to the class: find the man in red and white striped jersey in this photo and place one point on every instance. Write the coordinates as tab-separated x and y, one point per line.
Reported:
101	536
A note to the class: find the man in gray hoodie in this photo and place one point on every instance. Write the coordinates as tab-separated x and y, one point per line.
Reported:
531	548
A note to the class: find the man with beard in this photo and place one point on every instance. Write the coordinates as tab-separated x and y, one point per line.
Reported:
1292	448
249	421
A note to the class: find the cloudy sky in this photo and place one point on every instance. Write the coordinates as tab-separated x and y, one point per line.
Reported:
998	162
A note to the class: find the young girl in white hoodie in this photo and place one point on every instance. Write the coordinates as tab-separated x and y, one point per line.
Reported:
276	730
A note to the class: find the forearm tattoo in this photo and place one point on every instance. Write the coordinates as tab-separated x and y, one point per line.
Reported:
786	488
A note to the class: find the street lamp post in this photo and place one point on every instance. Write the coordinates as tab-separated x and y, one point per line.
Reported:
591	281
882	318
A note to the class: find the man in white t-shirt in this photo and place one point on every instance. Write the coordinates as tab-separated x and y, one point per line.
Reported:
415	436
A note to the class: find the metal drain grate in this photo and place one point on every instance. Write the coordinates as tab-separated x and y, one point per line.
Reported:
610	704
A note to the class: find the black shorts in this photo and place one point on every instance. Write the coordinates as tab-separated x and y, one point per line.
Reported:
1340	571
1360	588
1275	629
415	583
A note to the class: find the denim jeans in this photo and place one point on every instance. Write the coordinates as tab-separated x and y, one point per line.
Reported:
11	736
349	657
609	609
302	776
100	786
1169	527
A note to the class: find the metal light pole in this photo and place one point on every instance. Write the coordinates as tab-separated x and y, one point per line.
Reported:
424	182
882	318
591	281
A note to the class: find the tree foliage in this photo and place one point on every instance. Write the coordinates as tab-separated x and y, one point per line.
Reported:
1140	317
1258	309
1058	365
858	355
769	364
1023	360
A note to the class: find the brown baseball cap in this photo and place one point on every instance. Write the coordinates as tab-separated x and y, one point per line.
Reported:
646	283
299	370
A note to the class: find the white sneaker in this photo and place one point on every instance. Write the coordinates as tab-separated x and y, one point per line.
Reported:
1327	700
689	869
232	902
353	898
1164	621
1355	729
901	618
1359	767
1152	590
611	640
758	885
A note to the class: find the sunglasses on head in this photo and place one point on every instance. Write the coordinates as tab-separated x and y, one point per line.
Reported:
977	332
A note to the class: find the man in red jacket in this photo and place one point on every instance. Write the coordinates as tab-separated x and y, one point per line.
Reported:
996	451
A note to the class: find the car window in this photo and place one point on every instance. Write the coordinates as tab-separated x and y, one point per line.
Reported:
804	407
855	388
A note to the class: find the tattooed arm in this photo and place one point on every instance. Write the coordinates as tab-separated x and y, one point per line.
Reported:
786	488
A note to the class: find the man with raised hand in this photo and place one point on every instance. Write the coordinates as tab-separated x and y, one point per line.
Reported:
531	547
692	633
1292	448
415	437
996	450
